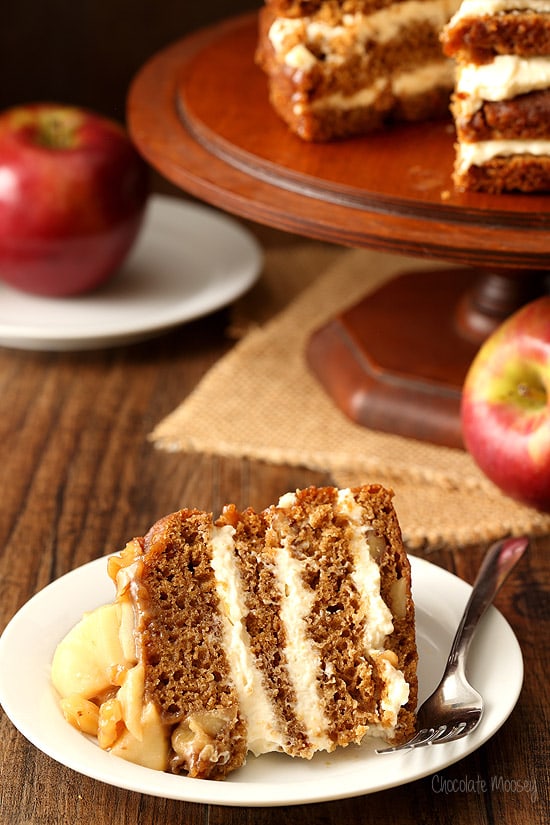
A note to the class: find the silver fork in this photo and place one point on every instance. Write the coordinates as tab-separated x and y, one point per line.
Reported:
454	709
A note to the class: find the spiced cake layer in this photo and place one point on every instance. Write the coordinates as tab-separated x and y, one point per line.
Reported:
288	630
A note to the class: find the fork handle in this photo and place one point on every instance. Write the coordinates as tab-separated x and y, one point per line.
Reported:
499	560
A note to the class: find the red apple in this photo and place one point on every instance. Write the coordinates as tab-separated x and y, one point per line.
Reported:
505	409
73	192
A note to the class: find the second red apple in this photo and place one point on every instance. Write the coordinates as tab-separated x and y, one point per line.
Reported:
73	191
505	409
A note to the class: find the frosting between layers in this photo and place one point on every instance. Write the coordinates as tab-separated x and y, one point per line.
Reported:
263	734
476	154
439	73
486	8
505	77
303	663
403	84
337	43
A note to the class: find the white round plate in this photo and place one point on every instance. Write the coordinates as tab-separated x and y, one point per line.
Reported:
28	643
187	261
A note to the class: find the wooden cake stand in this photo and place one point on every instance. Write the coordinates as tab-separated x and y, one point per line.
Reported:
199	113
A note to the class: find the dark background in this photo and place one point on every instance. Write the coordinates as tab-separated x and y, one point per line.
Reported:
86	52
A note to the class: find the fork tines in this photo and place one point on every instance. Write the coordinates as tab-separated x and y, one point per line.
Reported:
432	736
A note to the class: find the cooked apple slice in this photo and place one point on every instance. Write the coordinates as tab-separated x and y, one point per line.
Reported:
152	749
130	697
84	660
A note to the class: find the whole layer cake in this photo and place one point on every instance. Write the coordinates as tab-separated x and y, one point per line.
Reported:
287	630
501	103
339	68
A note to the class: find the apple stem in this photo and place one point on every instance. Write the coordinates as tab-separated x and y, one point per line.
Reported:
530	393
56	130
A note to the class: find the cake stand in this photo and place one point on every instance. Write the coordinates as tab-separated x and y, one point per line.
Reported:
199	113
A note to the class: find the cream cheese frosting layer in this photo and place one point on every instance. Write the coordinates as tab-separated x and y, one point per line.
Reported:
263	733
402	85
485	8
476	154
505	77
439	73
303	662
297	40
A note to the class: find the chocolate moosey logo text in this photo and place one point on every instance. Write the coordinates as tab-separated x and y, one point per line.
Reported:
479	784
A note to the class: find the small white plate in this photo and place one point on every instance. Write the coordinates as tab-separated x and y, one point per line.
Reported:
187	261
28	643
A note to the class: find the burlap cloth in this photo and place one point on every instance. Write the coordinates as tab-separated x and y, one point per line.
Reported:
260	401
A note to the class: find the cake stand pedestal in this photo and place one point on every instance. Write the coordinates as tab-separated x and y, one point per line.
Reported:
199	113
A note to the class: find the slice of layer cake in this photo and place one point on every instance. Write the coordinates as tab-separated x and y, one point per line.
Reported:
287	630
339	68
501	104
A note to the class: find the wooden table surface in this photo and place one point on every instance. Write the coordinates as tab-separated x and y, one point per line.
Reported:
78	477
